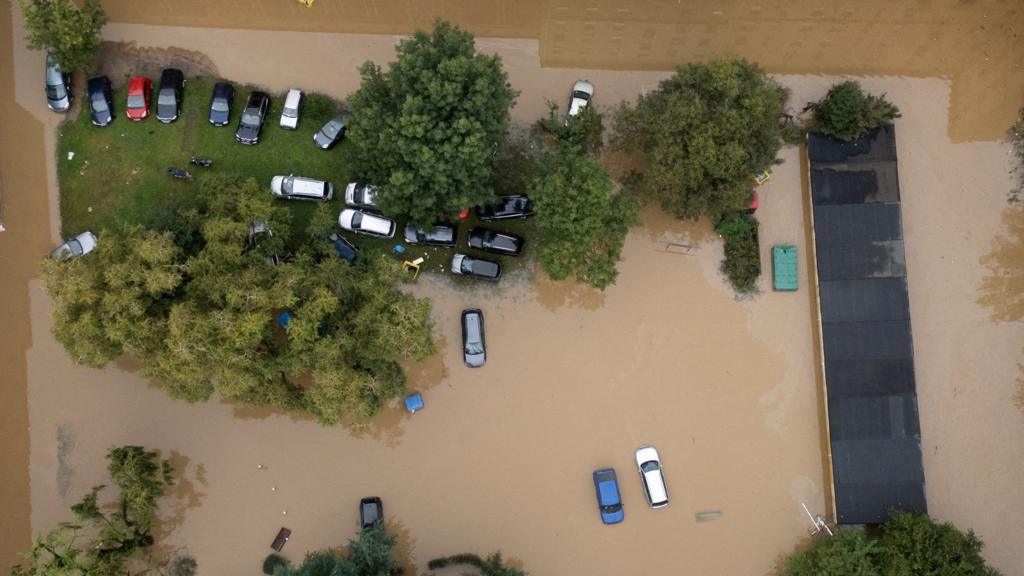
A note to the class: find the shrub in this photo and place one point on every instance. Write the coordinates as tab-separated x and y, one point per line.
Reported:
846	112
742	264
271	563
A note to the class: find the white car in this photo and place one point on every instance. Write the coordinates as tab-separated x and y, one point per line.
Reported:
298	188
78	246
360	195
582	93
292	107
366	223
652	476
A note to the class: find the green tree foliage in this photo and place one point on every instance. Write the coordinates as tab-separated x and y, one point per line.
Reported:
581	222
584	131
704	133
490	566
70	33
369	554
916	545
850	553
911	544
742	263
426	129
846	112
204	320
102	539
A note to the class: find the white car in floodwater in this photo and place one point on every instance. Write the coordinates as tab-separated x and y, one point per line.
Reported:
652	476
78	246
582	93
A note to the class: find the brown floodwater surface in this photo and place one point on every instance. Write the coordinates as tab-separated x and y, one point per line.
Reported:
576	379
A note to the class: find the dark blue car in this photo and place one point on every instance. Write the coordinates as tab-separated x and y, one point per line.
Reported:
346	250
609	501
220	104
101	101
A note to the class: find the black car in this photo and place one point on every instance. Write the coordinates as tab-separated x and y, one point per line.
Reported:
439	235
168	99
494	241
507	207
465	265
371	511
331	132
250	125
220	103
346	250
474	346
101	101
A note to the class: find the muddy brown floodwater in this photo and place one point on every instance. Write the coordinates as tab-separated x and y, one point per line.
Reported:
501	457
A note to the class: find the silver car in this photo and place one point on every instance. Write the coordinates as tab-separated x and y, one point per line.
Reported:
58	86
652	476
78	246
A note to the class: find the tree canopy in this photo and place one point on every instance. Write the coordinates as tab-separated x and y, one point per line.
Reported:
103	538
847	111
425	130
371	553
911	544
200	308
493	565
704	133
70	33
581	221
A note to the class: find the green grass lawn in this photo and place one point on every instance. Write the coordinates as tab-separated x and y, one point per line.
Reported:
118	175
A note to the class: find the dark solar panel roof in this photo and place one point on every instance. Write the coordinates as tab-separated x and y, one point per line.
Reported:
865	314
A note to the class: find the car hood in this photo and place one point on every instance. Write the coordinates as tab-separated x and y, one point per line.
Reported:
59	104
247	132
102	118
166	111
218	117
613	517
322	140
289	121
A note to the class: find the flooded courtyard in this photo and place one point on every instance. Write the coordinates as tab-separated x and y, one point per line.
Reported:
501	457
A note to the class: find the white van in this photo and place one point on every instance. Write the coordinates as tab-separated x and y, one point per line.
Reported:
293	187
649	464
291	109
366	223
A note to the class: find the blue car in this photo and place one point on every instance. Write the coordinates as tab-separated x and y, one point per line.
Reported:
609	501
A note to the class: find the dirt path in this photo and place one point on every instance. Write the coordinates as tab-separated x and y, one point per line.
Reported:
500	458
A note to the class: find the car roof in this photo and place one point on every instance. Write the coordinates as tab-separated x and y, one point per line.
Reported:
257	96
293	97
375	223
98	82
137	83
170	75
655	481
609	490
221	87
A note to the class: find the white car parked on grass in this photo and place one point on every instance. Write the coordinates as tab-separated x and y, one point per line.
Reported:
298	188
78	246
360	195
291	109
652	476
366	223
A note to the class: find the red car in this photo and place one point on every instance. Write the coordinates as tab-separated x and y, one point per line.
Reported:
139	89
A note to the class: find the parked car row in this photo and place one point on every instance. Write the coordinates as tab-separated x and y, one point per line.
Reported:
652	477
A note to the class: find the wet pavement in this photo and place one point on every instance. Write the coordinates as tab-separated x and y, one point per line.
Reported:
500	458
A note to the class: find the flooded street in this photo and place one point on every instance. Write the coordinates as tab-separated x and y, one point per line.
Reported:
501	457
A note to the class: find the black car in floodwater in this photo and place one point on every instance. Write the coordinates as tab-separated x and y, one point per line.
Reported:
250	125
168	98
465	265
101	100
507	208
331	132
371	511
220	103
439	235
494	241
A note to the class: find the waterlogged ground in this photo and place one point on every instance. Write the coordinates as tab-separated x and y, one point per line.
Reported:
501	457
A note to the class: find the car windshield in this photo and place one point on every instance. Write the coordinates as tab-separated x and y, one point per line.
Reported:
136	101
250	118
649	466
290	112
331	128
99	103
75	247
612	509
55	91
580	95
219	105
357	219
166	98
287	185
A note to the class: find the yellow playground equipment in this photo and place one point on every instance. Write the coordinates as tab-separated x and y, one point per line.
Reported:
413	266
307	3
762	177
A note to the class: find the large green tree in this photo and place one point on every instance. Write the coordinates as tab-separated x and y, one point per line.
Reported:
704	133
850	553
70	33
371	553
847	111
102	539
204	318
425	130
581	221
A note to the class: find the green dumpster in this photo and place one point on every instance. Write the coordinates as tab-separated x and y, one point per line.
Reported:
784	275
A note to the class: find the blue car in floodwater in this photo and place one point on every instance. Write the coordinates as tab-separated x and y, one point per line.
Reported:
609	501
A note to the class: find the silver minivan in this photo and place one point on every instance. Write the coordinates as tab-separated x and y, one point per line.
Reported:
652	476
298	188
58	86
